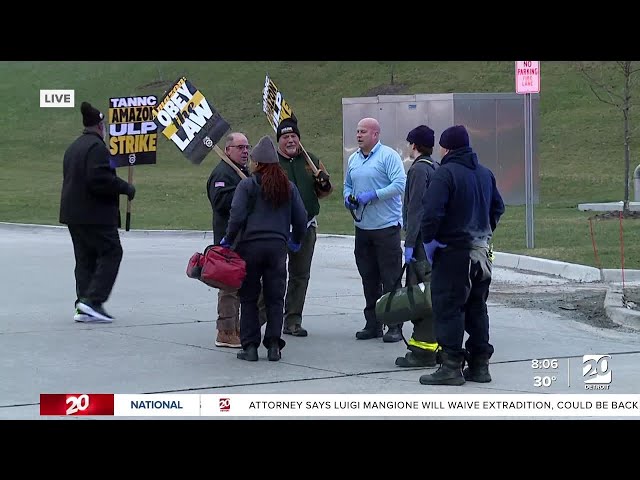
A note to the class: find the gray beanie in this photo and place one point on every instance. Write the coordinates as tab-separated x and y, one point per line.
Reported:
265	151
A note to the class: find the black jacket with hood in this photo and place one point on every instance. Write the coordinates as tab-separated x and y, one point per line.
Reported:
462	205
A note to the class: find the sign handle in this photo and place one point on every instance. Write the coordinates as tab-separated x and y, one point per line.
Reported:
314	169
227	160
128	220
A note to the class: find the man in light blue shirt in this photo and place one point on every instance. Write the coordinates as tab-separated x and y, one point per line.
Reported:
373	189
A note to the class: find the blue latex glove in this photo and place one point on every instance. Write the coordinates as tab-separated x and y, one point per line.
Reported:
224	243
348	204
408	255
430	248
294	247
366	197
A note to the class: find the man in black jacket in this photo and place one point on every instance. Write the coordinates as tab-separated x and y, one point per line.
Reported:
89	206
221	186
462	208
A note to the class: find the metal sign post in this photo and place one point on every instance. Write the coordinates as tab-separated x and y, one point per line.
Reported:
528	82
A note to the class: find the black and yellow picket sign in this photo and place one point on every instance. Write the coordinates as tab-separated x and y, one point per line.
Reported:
133	136
185	117
274	105
276	108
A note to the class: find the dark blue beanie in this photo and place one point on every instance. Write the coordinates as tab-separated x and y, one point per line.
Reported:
454	137
421	135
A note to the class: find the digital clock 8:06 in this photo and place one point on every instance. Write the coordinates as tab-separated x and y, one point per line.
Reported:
544	363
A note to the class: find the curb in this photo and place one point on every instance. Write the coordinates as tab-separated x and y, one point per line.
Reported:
571	271
618	312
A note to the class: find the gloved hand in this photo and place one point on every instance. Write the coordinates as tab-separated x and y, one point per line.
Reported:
430	248
408	255
322	180
348	204
366	197
294	247
224	242
131	192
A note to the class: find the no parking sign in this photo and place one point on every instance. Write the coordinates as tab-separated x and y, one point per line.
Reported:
527	77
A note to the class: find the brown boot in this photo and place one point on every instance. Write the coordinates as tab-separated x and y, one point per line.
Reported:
228	338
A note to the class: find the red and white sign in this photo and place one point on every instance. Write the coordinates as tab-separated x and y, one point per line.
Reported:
76	404
527	77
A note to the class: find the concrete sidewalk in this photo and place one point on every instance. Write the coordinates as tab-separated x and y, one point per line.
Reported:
162	338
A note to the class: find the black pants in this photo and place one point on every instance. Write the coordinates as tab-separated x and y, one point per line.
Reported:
266	260
98	255
379	259
460	282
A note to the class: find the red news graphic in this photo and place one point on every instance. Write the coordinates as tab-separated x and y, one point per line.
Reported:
76	404
225	404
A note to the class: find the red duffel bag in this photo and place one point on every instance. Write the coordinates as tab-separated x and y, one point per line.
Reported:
218	267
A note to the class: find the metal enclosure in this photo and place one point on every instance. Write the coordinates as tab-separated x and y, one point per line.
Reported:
495	122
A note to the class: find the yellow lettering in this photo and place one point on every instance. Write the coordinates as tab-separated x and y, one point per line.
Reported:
113	145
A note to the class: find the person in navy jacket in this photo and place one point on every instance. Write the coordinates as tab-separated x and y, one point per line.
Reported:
462	208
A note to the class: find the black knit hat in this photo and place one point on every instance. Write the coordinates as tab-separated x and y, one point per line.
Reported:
265	151
454	137
288	125
90	116
421	135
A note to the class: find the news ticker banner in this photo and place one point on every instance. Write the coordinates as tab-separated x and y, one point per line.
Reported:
186	117
274	105
133	136
341	405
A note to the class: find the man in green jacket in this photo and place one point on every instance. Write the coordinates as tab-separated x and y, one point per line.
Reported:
312	186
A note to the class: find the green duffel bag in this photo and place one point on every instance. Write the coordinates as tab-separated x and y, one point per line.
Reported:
405	304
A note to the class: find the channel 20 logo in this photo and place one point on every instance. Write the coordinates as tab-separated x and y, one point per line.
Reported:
596	372
224	404
76	404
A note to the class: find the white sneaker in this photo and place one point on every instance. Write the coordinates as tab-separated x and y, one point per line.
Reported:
97	313
79	316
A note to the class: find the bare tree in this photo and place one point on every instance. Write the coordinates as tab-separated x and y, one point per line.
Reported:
606	90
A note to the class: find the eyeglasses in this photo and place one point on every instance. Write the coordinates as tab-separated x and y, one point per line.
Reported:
241	147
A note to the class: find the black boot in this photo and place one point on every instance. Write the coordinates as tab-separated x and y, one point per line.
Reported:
449	373
274	345
394	334
478	369
249	353
370	330
425	358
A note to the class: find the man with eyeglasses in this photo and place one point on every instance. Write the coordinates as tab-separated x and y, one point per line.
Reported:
221	186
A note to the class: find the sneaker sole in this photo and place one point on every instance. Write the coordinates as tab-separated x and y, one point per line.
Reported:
228	345
81	317
294	334
84	318
92	313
